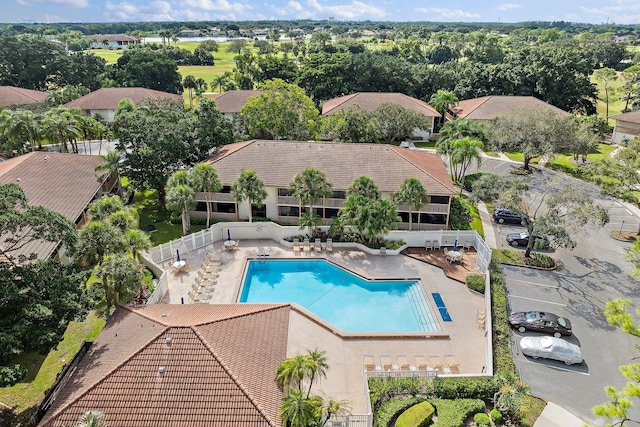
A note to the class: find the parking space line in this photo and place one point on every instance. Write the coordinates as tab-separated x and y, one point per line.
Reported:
538	300
534	283
560	368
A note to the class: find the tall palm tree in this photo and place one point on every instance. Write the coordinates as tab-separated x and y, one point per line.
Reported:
110	166
308	187
333	407
190	84
61	125
292	372
413	193
463	152
316	366
100	209
364	186
120	274
219	82
181	198
20	126
250	188
136	241
297	410
442	100
97	239
204	177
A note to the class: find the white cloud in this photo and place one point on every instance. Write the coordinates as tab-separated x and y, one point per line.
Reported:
620	11
126	11
509	6
295	6
71	3
218	6
355	10
448	14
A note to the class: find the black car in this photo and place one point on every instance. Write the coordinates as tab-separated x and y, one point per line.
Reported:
539	321
504	215
522	239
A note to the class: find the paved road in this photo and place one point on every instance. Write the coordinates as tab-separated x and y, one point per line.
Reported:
590	275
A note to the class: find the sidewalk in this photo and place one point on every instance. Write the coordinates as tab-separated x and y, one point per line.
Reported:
555	416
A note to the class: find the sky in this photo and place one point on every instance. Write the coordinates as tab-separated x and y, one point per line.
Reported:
584	11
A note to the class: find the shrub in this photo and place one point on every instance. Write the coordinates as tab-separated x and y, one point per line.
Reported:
392	409
10	375
540	260
475	282
460	217
453	413
465	387
482	419
416	416
383	389
503	359
496	416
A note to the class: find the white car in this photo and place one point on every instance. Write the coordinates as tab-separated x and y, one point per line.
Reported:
551	348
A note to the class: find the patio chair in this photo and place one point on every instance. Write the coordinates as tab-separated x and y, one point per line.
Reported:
420	362
306	246
383	251
296	245
329	247
481	318
385	361
428	245
451	366
402	363
369	365
317	245
436	245
435	363
467	245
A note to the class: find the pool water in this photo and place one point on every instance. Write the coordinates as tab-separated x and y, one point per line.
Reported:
343	299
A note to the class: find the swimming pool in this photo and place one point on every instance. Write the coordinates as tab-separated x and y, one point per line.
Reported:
343	299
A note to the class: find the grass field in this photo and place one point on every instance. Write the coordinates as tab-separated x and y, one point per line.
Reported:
24	396
615	105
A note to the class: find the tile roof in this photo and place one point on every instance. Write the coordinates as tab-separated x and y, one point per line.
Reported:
490	107
632	116
10	95
112	38
277	162
218	368
369	101
64	183
233	100
109	97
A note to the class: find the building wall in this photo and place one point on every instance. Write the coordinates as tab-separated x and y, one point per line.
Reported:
625	131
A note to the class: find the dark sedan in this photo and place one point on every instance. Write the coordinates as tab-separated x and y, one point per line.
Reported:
522	239
504	215
539	321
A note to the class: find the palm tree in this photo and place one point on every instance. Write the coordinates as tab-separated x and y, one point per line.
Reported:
181	198
292	372
364	186
100	209
250	188
97	239
120	274
204	177
61	125
92	419
334	407
201	87
308	187
190	84
20	126
110	167
442	100
299	411
136	240
316	366
413	193
219	82
463	152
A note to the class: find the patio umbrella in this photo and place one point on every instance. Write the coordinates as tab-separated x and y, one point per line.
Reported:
455	245
177	255
228	234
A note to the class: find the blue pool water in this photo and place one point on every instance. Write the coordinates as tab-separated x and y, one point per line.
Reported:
345	300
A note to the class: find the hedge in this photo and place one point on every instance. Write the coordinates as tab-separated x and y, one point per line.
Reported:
416	416
453	413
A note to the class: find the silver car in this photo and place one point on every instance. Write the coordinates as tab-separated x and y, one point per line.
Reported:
551	348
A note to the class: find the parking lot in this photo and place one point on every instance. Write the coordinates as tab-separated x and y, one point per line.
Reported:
586	278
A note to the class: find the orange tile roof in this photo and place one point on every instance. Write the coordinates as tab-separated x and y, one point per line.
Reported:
64	183
277	162
109	97
217	367
10	95
369	101
233	100
490	107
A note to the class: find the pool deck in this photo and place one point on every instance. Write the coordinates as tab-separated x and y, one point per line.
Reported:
462	337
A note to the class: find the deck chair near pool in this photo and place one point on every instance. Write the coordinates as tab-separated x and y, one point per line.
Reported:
428	245
317	245
450	365
421	362
385	361
296	245
329	245
435	363
402	363
306	246
436	245
369	364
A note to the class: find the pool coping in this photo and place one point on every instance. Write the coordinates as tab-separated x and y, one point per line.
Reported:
337	331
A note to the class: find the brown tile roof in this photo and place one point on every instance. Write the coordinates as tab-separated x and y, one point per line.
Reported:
369	101
64	183
108	98
277	162
632	117
232	101
490	107
218	368
10	95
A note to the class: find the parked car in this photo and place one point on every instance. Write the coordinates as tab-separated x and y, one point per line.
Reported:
522	239
502	215
551	348
539	321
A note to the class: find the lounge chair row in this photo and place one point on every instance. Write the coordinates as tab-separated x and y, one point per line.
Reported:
307	247
433	363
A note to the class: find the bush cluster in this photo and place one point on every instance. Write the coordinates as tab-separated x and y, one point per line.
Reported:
453	413
416	416
540	260
496	416
482	419
10	375
476	282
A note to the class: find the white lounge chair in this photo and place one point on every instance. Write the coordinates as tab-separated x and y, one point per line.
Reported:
329	245
317	245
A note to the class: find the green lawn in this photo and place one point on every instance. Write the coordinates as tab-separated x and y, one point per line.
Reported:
24	396
615	105
566	159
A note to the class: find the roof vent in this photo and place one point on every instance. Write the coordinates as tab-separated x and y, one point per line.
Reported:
168	340
164	314
161	370
46	157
